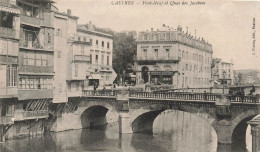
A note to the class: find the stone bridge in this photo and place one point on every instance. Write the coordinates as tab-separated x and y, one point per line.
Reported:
136	111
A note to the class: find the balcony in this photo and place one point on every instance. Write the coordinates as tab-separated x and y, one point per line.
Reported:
30	45
82	58
26	115
9	33
35	94
154	60
8	92
6	120
32	21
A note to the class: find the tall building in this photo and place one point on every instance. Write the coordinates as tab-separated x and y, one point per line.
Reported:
9	40
173	57
99	71
222	71
35	67
65	83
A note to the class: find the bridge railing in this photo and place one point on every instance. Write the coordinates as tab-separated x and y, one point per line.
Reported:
243	99
175	95
99	93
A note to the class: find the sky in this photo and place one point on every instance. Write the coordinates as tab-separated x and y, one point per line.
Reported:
227	25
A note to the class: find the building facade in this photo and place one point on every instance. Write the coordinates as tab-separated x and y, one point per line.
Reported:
169	56
99	71
9	40
45	57
35	67
65	26
222	72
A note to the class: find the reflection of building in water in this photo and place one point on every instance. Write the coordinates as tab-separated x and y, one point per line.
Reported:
170	56
222	72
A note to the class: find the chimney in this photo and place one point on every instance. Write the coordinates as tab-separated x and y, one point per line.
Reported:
90	26
151	29
69	12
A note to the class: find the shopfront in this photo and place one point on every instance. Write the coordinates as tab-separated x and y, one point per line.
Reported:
161	77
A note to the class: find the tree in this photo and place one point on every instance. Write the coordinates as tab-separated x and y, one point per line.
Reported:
124	50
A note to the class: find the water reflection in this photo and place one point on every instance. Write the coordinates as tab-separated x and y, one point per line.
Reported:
173	131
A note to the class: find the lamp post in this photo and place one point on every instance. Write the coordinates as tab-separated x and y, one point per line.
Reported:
224	81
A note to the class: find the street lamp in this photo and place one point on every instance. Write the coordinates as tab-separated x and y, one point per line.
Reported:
224	81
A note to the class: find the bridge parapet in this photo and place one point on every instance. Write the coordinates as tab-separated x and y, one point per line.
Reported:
185	96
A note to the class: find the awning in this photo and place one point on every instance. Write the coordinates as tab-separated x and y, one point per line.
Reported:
94	76
10	10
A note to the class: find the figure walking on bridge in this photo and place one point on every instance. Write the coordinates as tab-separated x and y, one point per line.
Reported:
205	95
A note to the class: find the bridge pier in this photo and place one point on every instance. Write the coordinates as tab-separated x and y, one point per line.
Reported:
223	129
125	123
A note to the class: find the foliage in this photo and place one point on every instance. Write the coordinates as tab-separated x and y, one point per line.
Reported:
124	50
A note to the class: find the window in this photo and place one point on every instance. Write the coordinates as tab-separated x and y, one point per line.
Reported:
76	70
59	54
35	58
96	59
156	52
97	42
103	44
145	37
69	86
102	59
167	36
168	52
84	39
78	38
11	75
44	60
58	32
145	52
167	79
49	38
90	56
38	59
31	11
35	83
82	49
107	60
108	45
77	86
90	42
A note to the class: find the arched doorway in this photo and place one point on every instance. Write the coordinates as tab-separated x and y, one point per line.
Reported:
94	117
145	76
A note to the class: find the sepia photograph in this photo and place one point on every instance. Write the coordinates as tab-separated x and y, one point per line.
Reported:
129	75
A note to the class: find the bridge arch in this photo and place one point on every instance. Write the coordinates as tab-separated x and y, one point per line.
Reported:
239	127
142	119
96	113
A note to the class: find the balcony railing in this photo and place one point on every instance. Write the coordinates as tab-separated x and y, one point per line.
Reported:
31	45
82	58
174	95
32	21
99	93
157	59
6	120
25	115
9	33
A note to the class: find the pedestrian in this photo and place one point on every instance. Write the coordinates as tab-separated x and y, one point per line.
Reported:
242	95
205	95
252	90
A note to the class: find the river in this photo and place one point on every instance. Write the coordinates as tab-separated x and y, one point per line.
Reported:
174	131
